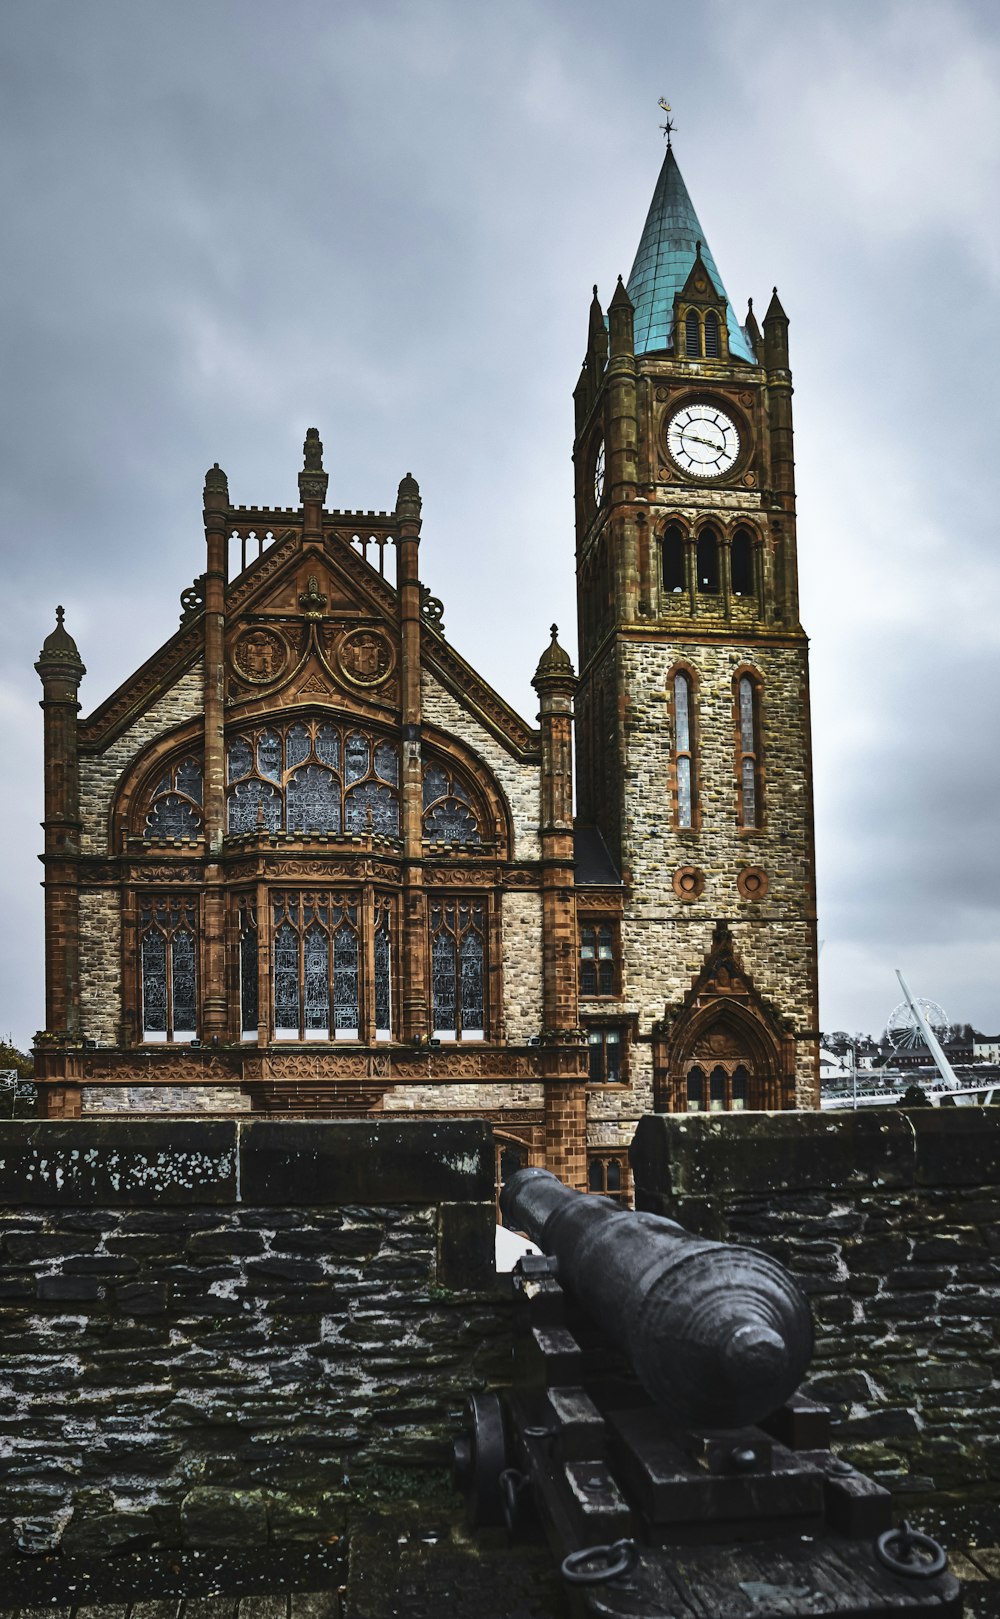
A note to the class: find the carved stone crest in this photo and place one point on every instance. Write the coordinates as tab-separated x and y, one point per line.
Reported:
752	882
365	657
260	656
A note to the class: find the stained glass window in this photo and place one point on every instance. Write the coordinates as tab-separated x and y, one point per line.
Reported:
175	805
316	967
449	815
312	800
312	777
458	949
168	949
748	762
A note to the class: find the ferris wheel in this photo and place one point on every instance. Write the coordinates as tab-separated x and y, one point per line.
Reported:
902	1029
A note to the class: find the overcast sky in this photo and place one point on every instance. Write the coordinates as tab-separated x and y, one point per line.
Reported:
229	220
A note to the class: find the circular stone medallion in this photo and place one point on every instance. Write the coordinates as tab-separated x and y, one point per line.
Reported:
260	656
688	882
365	657
752	882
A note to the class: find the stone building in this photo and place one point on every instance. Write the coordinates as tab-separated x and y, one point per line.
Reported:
306	860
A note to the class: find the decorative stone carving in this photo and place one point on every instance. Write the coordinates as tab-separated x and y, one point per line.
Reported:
688	882
752	882
364	657
260	656
193	599
312	600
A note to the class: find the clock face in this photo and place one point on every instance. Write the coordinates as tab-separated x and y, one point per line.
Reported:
599	474
703	440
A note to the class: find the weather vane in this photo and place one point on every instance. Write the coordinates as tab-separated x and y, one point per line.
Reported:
669	127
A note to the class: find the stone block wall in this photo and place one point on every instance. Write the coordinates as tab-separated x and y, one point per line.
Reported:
217	1322
665	938
520	782
522	965
890	1221
101	964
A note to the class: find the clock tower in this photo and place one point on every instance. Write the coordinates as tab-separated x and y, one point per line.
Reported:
694	756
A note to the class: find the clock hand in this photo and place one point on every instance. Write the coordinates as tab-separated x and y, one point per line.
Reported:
712	445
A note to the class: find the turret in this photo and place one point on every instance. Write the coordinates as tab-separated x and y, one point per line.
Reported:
61	670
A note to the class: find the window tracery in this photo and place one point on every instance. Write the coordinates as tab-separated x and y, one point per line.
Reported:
168	938
597	959
249	970
312	776
458	952
175	809
449	813
316	953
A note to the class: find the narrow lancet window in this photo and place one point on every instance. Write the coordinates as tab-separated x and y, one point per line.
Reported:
683	749
740	1084
748	761
742	563
711	335
695	1091
692	334
717	1092
673	560
383	972
249	1008
708	562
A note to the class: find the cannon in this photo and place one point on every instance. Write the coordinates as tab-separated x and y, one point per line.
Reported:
653	1431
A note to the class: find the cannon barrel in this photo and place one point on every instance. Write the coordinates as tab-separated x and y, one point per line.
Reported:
718	1336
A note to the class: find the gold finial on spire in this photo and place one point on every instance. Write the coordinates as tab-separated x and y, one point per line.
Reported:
669	127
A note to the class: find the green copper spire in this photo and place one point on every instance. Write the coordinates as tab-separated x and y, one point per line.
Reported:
663	264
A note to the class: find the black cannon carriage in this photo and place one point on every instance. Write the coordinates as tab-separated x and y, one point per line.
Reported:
653	1431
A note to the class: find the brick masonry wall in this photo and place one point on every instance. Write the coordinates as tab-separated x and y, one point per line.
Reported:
890	1221
209	1323
520	782
100	964
100	774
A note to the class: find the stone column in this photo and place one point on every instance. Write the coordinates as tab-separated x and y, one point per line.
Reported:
414	956
214	1000
61	670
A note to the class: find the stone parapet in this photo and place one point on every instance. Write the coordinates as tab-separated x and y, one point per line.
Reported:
890	1221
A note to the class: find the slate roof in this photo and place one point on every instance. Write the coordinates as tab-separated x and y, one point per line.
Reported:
593	865
663	264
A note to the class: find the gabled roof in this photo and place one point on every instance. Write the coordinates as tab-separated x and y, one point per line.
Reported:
663	264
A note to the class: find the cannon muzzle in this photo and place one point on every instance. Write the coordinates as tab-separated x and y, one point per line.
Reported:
718	1336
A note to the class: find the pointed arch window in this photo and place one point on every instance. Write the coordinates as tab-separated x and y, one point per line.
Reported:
741	1083
684	759
708	562
695	1090
748	753
717	1090
175	808
168	956
458	968
712	349
741	563
449	813
673	560
692	334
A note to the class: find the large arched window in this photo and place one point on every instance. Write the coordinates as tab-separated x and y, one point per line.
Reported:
684	762
708	562
692	334
673	560
748	752
311	776
742	563
711	335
